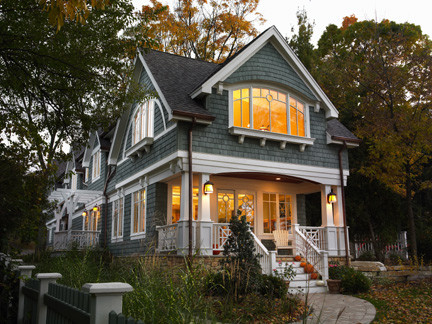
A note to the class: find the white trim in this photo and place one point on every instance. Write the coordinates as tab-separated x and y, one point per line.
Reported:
271	35
332	141
213	164
190	119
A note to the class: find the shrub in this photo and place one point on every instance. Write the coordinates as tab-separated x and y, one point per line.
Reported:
367	256
272	286
336	271
216	283
354	282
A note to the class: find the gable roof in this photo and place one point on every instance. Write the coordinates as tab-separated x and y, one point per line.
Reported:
338	132
176	77
270	35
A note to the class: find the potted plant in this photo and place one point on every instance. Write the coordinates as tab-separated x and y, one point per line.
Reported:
334	282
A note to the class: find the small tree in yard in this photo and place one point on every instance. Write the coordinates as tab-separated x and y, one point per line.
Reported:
241	260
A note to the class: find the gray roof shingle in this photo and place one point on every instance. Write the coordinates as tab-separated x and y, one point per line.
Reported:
338	131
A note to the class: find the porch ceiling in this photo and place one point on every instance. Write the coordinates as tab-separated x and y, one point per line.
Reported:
264	177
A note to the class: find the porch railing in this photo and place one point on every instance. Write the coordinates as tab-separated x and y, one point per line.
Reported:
314	235
305	246
221	233
167	237
267	259
64	240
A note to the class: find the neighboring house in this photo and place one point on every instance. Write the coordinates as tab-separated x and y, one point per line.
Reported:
260	129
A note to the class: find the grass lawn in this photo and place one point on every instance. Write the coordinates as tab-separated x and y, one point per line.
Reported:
407	302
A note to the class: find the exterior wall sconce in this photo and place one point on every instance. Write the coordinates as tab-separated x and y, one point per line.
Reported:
95	208
331	197
208	187
84	213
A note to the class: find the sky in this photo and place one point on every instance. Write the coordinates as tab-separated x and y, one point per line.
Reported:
282	13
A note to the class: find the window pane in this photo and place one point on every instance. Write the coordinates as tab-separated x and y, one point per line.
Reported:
285	212
245	113
301	125
236	95
142	211
120	217
135	212
256	92
273	94
282	97
175	204
115	218
246	205
237	113
266	211
261	114
293	118
195	203
245	93
293	102
272	216
278	117
225	206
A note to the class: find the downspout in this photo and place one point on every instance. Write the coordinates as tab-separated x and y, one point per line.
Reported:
109	177
190	192
343	202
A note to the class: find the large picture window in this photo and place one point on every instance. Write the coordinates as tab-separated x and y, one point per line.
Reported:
143	122
139	211
268	110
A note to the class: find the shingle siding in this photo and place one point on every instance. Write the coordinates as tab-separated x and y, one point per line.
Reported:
268	65
77	224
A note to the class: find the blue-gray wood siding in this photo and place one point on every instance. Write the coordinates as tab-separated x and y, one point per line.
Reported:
301	210
156	215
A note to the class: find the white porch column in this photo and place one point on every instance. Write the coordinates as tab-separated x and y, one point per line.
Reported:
205	224
183	223
339	220
330	230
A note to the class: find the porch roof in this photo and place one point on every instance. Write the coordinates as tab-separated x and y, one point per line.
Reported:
80	196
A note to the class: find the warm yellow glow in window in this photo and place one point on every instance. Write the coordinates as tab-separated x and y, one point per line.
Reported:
175	203
225	206
270	111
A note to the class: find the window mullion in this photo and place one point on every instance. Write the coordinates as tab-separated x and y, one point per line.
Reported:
288	114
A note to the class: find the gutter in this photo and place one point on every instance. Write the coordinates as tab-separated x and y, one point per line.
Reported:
111	174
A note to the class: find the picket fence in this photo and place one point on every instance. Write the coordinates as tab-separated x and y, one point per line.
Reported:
41	300
399	247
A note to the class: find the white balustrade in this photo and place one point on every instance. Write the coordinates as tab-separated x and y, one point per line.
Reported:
315	235
64	240
305	246
221	233
167	237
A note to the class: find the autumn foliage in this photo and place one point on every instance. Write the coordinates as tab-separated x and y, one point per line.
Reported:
210	30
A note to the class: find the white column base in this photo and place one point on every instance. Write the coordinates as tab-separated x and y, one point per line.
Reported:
331	239
341	241
205	237
183	236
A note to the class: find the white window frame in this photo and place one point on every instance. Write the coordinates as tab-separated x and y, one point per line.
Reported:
139	234
86	175
142	129
266	135
117	205
96	167
74	181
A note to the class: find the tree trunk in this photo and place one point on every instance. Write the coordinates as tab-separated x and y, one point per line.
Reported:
376	245
412	238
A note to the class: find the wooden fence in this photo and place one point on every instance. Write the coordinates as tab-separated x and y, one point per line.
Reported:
400	247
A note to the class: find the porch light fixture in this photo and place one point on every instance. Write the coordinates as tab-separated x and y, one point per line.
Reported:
331	197
84	213
95	208
208	187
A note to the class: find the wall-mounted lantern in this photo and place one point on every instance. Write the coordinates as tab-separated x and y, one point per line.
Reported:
331	197
84	213
208	187
95	208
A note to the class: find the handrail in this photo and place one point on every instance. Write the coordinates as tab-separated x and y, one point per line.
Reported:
267	259
306	247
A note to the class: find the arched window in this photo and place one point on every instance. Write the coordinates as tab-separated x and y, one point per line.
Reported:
142	126
268	110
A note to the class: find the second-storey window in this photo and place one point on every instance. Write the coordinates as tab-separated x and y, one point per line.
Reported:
139	211
143	122
96	165
268	110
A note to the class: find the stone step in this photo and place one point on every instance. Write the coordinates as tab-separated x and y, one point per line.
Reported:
310	290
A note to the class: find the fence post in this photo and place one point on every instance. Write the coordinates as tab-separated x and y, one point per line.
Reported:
45	279
272	260
326	266
105	297
25	273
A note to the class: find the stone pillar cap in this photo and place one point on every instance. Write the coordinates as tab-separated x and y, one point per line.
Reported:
26	267
53	275
107	288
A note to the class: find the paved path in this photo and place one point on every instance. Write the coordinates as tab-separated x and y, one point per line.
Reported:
340	309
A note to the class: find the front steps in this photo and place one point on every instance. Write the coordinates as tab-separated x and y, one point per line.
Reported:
301	282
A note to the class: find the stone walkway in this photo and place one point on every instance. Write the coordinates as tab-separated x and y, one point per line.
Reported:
341	309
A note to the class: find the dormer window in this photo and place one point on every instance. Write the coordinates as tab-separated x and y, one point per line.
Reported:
96	165
269	114
142	130
143	122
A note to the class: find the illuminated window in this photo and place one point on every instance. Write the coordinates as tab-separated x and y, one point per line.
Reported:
246	203
225	206
175	203
274	206
268	110
269	212
138	211
117	218
142	126
285	212
91	220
